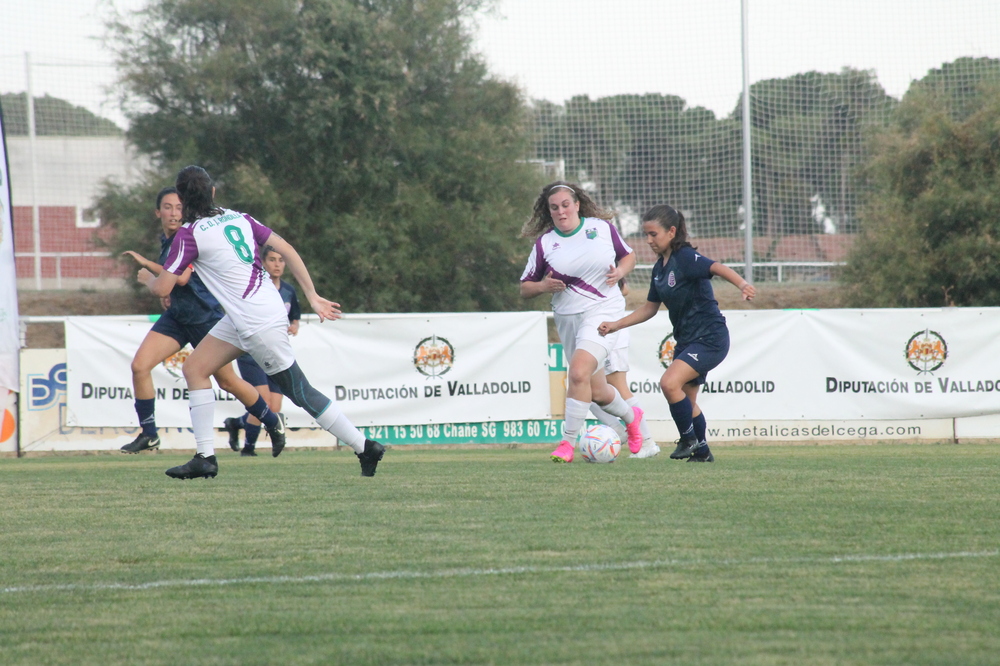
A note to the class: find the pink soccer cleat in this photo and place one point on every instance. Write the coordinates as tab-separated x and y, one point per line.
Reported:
634	434
563	453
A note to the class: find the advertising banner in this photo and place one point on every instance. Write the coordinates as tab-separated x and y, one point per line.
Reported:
382	370
837	364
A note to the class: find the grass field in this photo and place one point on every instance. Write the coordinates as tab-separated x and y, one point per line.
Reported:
773	555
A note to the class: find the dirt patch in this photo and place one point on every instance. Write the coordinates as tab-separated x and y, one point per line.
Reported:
82	303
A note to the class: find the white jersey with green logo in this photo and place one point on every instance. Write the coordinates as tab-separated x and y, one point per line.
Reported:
224	250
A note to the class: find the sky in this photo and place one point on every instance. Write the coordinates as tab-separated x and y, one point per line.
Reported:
555	49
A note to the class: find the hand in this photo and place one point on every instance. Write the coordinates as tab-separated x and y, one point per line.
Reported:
552	285
144	276
135	255
293	328
325	309
748	291
614	274
165	302
607	327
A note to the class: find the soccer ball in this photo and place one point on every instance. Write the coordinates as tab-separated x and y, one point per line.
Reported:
599	444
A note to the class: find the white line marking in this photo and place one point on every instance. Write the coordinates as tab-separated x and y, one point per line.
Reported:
507	571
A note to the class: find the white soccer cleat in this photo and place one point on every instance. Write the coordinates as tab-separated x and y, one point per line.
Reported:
648	450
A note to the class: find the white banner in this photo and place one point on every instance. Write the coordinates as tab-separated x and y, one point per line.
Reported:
9	336
381	369
837	364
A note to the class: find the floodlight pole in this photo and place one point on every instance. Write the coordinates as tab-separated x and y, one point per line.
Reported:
747	170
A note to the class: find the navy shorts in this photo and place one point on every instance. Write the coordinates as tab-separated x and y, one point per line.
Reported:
254	374
183	333
703	355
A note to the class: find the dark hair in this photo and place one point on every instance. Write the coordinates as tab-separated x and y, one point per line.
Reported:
266	250
164	192
668	216
541	219
194	187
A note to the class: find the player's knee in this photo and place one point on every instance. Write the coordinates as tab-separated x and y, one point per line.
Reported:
670	386
578	375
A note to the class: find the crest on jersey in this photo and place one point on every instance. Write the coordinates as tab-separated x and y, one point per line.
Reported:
591	234
175	364
665	353
671	280
926	351
433	356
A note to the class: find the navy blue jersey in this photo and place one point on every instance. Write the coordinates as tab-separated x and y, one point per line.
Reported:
684	285
291	300
192	303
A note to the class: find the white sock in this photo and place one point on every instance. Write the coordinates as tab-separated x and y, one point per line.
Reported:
618	407
576	416
643	426
201	404
609	420
337	424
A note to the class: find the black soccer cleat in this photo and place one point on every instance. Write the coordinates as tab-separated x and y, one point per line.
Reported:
197	467
233	426
248	451
277	435
370	456
685	447
702	454
142	443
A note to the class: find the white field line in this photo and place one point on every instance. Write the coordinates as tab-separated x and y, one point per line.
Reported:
506	571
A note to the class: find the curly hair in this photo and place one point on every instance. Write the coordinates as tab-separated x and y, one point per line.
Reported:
541	219
194	188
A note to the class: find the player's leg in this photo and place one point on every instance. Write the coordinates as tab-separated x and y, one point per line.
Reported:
327	414
154	349
672	383
611	401
702	453
253	398
271	348
207	359
250	425
649	447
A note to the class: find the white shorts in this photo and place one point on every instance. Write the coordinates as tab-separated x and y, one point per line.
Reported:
270	346
582	328
618	358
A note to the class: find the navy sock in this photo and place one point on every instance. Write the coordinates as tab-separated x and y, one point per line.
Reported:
681	413
263	413
146	410
700	427
253	432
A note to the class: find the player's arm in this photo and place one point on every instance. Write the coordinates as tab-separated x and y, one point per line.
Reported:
162	284
154	268
324	308
728	274
547	285
642	313
622	269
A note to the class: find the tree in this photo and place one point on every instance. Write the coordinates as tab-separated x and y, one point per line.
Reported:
53	117
808	135
636	151
364	131
930	233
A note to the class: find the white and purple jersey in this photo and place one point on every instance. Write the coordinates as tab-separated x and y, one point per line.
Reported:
223	250
581	259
